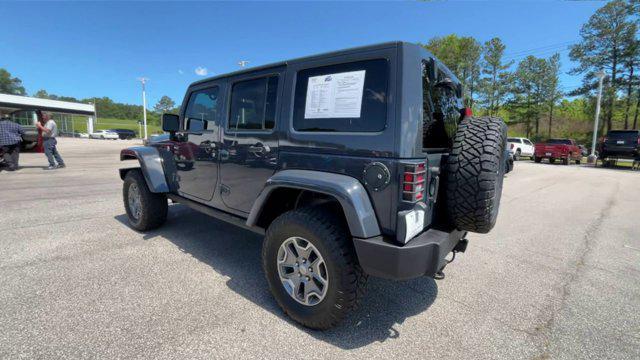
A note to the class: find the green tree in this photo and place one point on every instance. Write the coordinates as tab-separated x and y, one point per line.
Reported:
462	56
528	92
552	93
10	85
165	104
42	94
495	83
605	37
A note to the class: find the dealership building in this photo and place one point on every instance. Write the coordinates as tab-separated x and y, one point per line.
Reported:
24	110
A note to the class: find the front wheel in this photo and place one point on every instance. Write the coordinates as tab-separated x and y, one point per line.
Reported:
145	210
311	267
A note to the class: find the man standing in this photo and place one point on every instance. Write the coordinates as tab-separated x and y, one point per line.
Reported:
10	139
49	133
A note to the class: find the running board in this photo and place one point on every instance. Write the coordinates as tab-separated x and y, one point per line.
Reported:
215	213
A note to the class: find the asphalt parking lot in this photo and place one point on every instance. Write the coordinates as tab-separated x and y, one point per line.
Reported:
558	277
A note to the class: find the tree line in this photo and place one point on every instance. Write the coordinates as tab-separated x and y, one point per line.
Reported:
105	106
529	92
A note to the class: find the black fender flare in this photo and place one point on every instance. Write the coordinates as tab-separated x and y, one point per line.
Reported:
348	191
151	165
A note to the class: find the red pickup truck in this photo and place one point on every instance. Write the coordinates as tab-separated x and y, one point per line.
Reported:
565	149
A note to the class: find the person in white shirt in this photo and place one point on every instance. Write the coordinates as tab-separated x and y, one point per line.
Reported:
49	132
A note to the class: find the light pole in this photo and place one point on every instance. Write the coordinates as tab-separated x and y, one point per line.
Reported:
592	157
144	80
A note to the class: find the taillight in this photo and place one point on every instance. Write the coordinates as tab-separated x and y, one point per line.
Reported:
413	182
511	146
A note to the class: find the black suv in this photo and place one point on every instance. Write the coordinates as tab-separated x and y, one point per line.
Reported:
352	163
124	134
620	144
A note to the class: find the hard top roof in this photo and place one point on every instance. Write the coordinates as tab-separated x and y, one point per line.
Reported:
384	45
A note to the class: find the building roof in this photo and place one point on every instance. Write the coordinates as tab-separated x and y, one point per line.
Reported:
16	102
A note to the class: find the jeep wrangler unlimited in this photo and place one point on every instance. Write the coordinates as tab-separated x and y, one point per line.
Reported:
352	163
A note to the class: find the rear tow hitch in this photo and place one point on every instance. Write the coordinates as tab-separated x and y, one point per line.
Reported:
461	246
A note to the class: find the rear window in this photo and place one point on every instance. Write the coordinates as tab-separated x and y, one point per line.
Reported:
626	135
349	97
559	141
514	140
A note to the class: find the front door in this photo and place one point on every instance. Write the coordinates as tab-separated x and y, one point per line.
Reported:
249	151
195	149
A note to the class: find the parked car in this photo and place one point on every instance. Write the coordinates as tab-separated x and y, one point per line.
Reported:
509	162
104	134
520	147
583	150
27	119
325	156
124	134
563	149
620	144
83	135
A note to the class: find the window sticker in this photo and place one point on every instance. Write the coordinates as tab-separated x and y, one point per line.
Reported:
335	95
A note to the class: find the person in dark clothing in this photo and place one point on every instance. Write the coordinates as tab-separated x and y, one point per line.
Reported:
10	139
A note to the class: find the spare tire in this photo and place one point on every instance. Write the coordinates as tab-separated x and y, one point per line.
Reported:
474	173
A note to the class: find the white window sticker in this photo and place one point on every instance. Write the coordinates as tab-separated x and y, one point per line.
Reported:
335	95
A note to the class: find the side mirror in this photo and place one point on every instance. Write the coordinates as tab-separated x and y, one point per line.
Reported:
170	123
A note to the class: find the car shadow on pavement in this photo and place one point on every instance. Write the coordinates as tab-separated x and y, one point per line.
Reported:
235	252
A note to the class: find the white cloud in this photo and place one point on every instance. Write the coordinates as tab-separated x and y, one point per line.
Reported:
180	71
202	71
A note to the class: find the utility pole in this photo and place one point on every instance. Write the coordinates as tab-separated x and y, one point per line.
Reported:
144	80
243	63
592	158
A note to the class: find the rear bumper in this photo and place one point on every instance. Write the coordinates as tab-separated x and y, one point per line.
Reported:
630	153
423	255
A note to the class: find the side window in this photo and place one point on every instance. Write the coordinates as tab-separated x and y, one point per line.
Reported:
202	110
347	97
527	142
25	117
253	104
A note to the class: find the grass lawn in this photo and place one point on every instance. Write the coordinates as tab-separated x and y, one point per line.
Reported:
80	125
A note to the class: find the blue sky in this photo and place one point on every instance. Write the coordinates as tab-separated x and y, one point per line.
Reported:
99	49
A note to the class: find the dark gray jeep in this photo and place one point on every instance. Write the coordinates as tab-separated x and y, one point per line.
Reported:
352	163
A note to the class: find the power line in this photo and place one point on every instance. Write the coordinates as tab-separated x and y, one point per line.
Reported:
546	47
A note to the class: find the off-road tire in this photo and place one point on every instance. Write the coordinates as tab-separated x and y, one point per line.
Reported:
330	235
154	207
474	173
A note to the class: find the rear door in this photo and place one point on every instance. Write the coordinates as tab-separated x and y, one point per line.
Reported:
195	149
622	141
249	152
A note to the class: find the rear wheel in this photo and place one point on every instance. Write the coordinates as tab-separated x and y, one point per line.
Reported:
311	267
474	173
145	210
